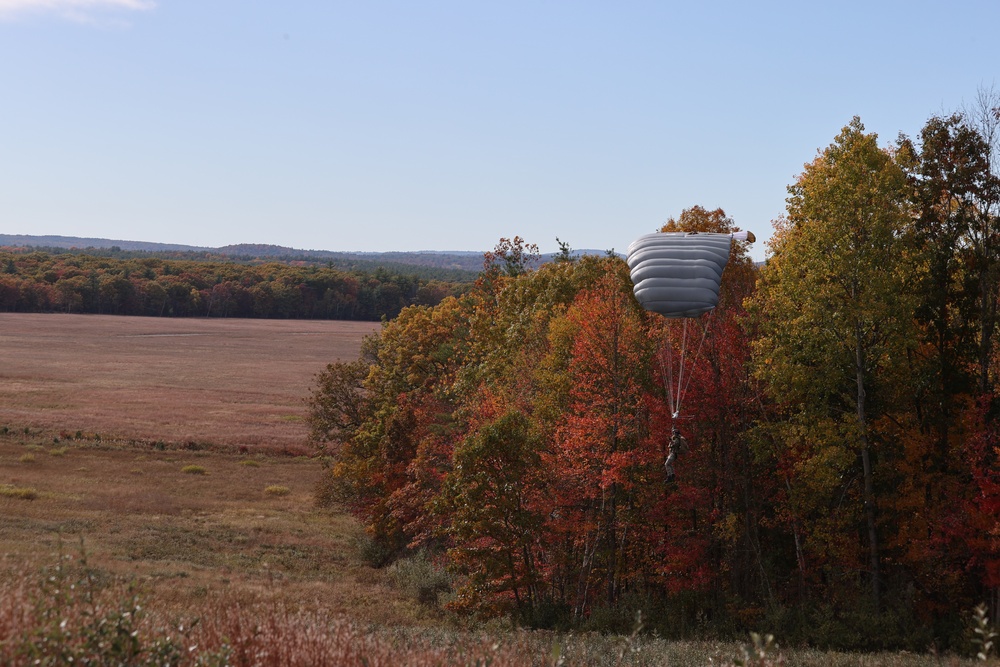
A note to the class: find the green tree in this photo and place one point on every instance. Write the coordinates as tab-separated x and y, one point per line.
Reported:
950	179
837	318
495	518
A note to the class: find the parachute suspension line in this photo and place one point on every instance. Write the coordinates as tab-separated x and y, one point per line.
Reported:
677	386
682	388
680	368
667	370
672	384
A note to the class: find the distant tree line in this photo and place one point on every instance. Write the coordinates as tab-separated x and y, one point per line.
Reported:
32	281
447	267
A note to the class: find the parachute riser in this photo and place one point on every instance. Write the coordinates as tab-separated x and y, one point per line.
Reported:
677	384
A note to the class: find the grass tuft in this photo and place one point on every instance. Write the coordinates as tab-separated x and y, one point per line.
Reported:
27	458
58	451
19	492
277	490
194	470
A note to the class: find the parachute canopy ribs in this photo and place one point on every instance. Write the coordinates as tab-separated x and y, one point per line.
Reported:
677	274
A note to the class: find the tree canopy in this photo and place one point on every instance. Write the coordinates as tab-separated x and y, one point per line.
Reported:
842	485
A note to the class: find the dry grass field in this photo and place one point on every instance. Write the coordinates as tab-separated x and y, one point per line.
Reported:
183	487
218	381
188	524
181	477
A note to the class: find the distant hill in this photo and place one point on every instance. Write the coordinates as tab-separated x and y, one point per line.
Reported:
456	260
449	260
70	242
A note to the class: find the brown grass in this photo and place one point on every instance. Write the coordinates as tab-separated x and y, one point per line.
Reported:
199	381
73	614
150	388
188	538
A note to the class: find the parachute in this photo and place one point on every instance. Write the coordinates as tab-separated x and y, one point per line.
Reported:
678	275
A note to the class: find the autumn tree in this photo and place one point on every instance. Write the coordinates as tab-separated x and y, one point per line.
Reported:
984	233
602	455
391	436
835	317
492	497
950	179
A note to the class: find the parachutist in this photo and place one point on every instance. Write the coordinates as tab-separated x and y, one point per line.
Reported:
678	445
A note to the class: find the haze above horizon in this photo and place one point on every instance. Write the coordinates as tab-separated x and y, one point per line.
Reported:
391	126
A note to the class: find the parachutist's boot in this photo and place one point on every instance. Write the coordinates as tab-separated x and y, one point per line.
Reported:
670	478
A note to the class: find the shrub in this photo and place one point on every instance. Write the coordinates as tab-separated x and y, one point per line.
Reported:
20	492
194	470
330	491
27	458
277	490
69	615
375	553
419	577
57	451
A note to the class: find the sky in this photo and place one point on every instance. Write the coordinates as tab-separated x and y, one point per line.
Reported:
447	125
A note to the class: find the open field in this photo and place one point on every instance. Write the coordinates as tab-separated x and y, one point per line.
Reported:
218	381
188	524
165	396
190	495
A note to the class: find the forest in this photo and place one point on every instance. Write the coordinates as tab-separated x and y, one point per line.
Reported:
842	487
132	283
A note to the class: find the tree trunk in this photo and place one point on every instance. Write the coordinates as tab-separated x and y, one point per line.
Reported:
987	324
869	491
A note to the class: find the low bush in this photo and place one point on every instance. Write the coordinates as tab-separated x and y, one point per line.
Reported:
375	553
71	615
19	492
194	470
421	578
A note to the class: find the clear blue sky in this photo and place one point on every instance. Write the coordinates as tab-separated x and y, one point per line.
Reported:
372	125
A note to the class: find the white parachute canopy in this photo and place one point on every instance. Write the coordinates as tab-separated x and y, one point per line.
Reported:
678	274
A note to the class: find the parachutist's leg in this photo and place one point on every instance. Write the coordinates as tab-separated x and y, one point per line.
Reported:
668	467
